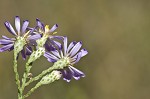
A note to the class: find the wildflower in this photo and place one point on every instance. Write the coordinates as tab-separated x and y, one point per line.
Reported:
51	40
21	34
72	54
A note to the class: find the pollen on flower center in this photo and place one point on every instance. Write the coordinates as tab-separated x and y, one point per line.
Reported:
67	59
47	29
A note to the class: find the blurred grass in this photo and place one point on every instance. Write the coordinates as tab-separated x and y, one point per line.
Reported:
116	34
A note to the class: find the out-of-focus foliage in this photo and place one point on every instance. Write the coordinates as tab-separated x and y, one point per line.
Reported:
115	32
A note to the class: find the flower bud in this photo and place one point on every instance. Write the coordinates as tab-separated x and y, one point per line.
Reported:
49	78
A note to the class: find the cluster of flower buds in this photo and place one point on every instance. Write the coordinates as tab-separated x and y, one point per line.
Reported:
41	41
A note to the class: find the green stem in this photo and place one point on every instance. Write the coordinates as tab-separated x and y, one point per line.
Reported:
25	76
18	46
16	74
60	64
32	90
21	97
34	56
47	79
41	75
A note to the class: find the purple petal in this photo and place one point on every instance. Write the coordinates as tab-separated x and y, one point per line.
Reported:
48	55
70	46
76	73
56	53
58	45
54	43
61	53
23	54
17	24
3	41
24	26
75	49
54	28
40	24
77	57
58	37
49	47
67	75
84	52
65	45
10	49
34	37
28	50
32	42
29	28
51	60
5	37
6	47
10	28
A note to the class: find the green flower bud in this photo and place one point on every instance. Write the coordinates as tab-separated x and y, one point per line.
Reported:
49	78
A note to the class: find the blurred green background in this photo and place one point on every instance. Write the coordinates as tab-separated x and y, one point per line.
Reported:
115	32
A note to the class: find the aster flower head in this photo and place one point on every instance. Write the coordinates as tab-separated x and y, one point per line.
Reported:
19	33
72	54
45	30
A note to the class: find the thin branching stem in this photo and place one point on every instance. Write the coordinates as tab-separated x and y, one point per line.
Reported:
32	90
40	75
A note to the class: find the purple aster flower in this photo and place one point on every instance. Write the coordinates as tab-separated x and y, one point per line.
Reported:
8	43
73	54
51	42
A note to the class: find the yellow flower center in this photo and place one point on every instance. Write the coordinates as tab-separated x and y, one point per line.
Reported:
47	29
